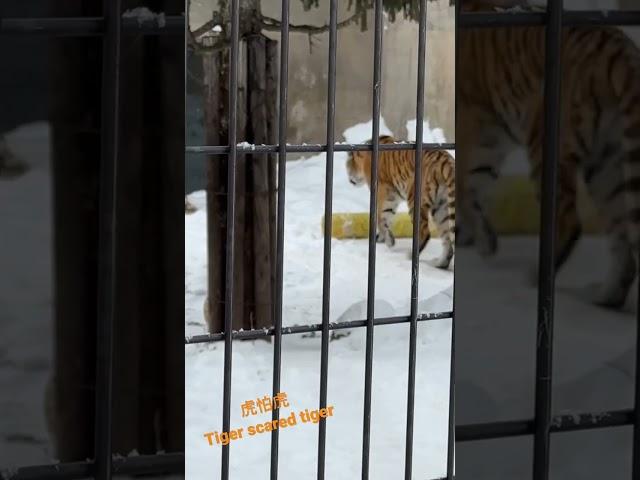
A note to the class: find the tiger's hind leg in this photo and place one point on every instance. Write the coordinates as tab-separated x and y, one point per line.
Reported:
613	292
388	201
478	175
568	228
444	216
423	230
613	182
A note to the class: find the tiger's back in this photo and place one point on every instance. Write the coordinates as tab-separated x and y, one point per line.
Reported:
500	74
396	183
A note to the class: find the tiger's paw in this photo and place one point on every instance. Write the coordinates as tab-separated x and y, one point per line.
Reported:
464	237
440	262
487	246
487	242
390	240
386	237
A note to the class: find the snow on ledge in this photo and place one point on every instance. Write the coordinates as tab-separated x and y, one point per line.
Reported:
143	14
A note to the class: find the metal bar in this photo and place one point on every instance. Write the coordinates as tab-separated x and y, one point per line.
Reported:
328	210
282	176
415	246
546	281
451	434
90	26
231	227
175	24
297	329
451	440
570	19
559	424
635	465
107	224
373	207
315	148
168	463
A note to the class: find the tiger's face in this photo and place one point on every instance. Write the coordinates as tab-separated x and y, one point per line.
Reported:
357	167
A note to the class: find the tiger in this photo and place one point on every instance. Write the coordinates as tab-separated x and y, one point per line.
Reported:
396	184
499	90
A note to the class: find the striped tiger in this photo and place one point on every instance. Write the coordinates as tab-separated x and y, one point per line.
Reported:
500	78
396	184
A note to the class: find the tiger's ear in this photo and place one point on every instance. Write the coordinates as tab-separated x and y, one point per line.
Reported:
386	138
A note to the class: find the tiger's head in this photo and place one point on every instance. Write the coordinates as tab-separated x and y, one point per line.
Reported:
359	168
359	163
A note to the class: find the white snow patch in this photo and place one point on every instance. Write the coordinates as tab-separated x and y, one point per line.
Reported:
302	304
143	14
26	300
362	132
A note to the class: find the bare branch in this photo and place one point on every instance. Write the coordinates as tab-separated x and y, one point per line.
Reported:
271	24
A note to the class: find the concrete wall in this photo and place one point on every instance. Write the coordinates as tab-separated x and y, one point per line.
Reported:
308	70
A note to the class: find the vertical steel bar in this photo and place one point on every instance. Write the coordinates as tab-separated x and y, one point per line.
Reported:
371	274
635	465
546	282
107	238
328	210
231	227
415	246
451	440
282	174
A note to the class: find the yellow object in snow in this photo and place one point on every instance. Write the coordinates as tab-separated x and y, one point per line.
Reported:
356	225
512	197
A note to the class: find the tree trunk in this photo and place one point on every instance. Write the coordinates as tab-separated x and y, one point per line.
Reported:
255	186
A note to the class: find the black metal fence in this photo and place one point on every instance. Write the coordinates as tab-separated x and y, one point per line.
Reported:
282	148
543	424
111	27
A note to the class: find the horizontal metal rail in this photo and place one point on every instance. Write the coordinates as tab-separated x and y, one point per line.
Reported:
314	148
559	424
296	329
175	24
166	463
90	26
584	18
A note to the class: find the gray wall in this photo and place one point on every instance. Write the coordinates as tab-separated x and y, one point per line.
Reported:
308	75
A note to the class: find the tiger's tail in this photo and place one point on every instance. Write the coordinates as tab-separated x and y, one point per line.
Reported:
449	233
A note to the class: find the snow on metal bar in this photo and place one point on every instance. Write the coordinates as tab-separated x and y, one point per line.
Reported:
314	148
266	332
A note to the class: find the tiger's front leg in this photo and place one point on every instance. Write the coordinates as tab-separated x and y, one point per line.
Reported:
388	201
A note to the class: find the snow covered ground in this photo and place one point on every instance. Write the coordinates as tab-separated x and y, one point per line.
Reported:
26	308
593	365
301	354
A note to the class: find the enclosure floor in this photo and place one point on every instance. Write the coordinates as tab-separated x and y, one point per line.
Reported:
302	304
593	365
26	301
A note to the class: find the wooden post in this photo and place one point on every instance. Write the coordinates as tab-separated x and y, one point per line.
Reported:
215	69
262	104
255	185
